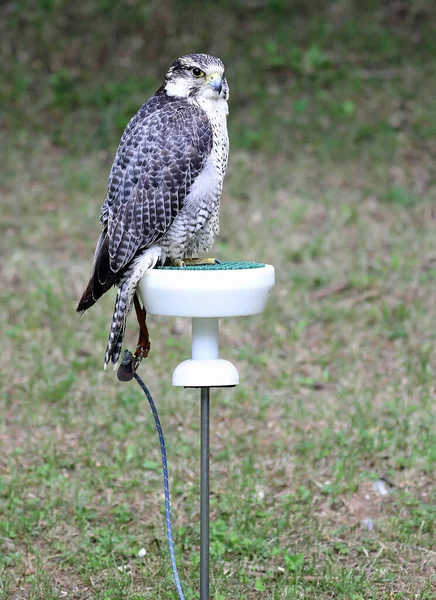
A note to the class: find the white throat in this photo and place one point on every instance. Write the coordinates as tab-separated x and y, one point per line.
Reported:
215	108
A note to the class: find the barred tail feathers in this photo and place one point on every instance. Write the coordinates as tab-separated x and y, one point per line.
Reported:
123	303
122	307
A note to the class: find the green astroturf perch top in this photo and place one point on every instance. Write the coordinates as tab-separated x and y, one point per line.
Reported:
223	266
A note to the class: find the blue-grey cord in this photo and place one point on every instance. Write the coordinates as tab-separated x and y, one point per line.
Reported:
166	485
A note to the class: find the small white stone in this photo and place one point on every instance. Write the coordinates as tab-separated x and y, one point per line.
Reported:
124	568
367	524
142	553
380	488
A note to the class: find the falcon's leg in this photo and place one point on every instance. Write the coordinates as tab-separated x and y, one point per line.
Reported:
130	363
195	262
143	345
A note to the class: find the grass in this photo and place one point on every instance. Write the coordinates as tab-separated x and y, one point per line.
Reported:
335	186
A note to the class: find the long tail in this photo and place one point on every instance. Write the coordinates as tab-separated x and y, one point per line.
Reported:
123	303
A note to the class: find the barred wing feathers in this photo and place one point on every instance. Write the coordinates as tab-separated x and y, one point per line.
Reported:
162	151
153	172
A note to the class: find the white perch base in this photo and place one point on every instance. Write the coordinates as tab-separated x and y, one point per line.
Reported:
205	369
205	373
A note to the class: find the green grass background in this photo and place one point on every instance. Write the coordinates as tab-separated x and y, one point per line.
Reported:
332	180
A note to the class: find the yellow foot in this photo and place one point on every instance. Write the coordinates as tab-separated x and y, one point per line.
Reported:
195	262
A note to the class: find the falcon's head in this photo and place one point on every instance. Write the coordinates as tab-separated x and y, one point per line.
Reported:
197	76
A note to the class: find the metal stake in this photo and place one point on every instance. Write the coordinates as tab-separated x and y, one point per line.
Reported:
204	494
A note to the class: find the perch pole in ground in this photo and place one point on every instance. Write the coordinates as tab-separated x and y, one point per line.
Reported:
206	293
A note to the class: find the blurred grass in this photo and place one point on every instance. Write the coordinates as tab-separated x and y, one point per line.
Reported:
85	67
332	180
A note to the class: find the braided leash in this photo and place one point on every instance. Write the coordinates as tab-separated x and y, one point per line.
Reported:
127	363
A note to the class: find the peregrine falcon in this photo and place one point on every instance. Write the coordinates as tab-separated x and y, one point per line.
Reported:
164	186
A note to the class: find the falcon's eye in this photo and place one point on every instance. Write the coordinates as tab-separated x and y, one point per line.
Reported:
197	72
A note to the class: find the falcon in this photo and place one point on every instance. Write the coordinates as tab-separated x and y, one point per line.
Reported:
164	189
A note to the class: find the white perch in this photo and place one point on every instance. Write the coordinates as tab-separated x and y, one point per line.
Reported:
205	296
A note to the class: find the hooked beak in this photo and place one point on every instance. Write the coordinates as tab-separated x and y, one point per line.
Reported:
215	82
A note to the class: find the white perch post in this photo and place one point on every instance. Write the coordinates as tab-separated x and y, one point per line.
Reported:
205	340
205	295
